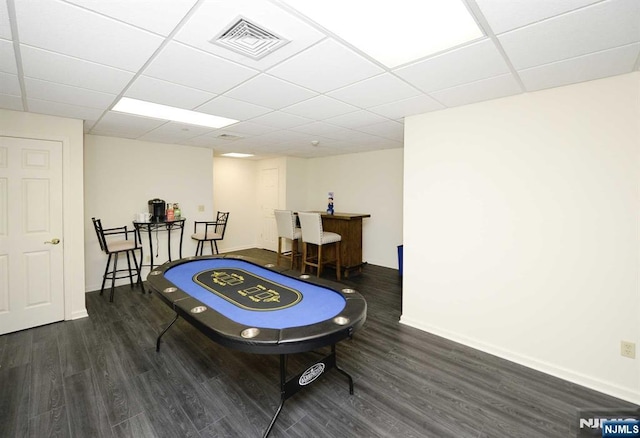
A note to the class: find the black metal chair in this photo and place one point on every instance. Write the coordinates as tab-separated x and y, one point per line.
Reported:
210	231
113	242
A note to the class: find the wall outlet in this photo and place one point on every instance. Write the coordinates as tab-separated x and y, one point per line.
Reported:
628	349
200	208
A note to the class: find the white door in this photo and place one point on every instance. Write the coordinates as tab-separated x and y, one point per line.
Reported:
31	248
268	196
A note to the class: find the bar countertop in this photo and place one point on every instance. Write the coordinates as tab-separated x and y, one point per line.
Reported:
343	216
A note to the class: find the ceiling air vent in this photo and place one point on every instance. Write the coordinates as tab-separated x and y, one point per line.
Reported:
229	137
249	39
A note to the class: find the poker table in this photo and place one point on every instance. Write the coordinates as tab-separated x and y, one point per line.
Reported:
263	309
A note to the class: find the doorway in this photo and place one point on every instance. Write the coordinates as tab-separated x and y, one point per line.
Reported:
31	240
268	196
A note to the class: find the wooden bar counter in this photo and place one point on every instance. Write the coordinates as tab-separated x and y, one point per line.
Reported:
349	226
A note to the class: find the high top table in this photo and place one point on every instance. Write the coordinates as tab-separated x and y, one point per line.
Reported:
349	226
163	225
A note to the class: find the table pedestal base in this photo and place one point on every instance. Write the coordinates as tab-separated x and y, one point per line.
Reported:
290	387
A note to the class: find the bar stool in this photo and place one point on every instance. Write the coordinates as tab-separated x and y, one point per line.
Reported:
286	222
210	231
114	247
312	233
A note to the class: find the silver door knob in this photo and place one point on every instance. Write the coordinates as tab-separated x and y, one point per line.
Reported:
54	241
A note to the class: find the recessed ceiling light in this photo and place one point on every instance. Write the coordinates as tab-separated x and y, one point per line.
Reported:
236	155
397	32
164	112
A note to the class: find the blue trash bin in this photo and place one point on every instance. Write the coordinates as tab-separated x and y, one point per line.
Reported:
400	259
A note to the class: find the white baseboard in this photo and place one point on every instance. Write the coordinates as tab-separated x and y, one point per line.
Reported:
547	368
79	314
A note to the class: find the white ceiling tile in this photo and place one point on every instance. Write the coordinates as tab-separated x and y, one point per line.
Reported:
324	129
407	107
355	119
602	26
206	72
492	88
388	129
7	58
320	108
252	143
364	138
43	90
125	125
249	129
280	120
5	26
63	109
507	15
159	16
232	108
166	93
89	52
471	63
278	137
64	28
54	67
375	91
214	17
9	84
583	68
270	92
326	66
206	140
11	102
174	132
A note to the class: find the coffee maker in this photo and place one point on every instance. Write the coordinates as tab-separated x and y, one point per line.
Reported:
157	208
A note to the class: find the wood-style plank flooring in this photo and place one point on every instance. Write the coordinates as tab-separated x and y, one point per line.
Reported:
101	377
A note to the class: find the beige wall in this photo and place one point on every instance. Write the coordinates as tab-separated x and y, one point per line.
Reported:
522	222
121	175
368	182
234	190
69	132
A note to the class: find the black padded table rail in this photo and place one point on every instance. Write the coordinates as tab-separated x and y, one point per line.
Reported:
263	309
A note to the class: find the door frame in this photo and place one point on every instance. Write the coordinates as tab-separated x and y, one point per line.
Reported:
70	133
268	220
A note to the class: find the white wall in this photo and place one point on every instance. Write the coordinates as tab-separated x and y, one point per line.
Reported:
368	182
69	132
521	216
235	190
121	176
296	194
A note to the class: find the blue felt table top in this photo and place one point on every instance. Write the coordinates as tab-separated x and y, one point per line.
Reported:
317	304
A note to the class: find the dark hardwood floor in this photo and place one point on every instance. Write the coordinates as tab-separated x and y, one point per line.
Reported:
101	377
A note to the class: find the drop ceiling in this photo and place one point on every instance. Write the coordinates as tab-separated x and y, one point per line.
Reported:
77	58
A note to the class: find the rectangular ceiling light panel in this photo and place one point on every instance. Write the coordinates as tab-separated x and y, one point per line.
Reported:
236	155
394	33
164	112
